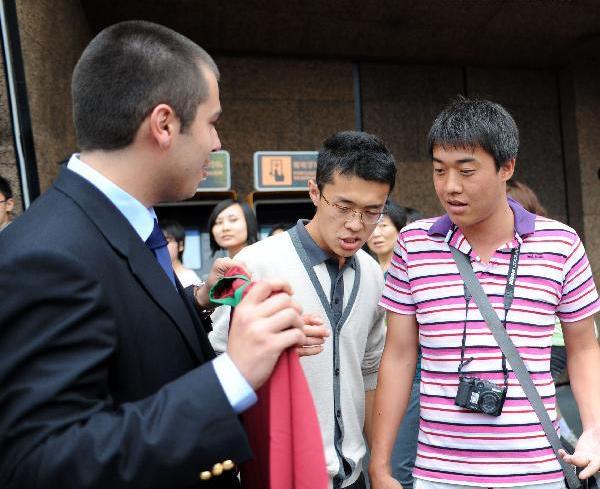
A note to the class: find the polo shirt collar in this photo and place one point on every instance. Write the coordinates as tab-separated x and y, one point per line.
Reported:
316	255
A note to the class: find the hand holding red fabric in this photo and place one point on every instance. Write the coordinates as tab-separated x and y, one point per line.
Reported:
282	426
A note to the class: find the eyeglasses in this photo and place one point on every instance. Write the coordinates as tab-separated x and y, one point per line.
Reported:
347	213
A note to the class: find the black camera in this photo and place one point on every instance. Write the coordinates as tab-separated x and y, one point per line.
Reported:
481	396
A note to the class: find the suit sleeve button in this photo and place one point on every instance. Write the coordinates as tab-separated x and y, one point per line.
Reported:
217	469
204	476
228	465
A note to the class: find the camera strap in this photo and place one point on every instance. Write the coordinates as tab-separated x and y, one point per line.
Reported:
512	355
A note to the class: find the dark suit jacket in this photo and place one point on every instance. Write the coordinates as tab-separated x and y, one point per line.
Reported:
103	373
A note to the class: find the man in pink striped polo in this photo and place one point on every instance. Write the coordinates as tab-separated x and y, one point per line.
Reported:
473	145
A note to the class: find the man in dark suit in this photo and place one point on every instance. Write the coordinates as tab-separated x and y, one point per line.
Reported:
108	379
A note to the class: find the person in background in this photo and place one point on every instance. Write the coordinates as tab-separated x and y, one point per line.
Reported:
558	358
232	225
6	203
280	227
175	236
412	215
381	244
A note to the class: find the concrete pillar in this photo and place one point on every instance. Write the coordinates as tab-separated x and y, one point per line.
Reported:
581	125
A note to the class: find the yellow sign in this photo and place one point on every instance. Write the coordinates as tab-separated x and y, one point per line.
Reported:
277	171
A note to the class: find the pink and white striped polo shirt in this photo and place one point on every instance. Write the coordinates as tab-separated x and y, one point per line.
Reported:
458	446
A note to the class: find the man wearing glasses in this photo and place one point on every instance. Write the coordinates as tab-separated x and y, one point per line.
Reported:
6	203
333	278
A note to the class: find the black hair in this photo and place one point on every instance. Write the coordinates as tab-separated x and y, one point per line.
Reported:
284	226
471	123
354	153
127	70
5	188
412	215
396	213
400	217
251	224
176	231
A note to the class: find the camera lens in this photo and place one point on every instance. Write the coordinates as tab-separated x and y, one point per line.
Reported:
488	402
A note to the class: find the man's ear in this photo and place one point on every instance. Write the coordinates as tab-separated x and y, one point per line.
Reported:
508	169
163	125
10	205
313	192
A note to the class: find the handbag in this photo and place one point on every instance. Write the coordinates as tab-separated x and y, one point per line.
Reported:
516	362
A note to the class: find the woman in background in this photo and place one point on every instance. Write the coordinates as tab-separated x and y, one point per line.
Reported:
232	225
175	236
381	244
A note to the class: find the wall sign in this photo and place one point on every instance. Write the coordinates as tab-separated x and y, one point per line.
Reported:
284	170
219	173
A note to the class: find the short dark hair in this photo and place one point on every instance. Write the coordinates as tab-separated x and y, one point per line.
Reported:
354	153
176	231
396	213
412	214
127	70
251	224
471	123
5	188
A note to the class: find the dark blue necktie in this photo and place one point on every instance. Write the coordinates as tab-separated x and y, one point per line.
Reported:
158	244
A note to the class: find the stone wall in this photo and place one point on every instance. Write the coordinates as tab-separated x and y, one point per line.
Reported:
53	35
280	104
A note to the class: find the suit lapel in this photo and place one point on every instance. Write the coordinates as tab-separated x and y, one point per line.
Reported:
147	269
126	242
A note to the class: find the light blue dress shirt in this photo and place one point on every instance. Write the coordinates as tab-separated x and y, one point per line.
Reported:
236	388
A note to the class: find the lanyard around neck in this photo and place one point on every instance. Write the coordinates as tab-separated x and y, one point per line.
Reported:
509	295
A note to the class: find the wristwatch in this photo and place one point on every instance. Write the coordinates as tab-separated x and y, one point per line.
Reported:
203	311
